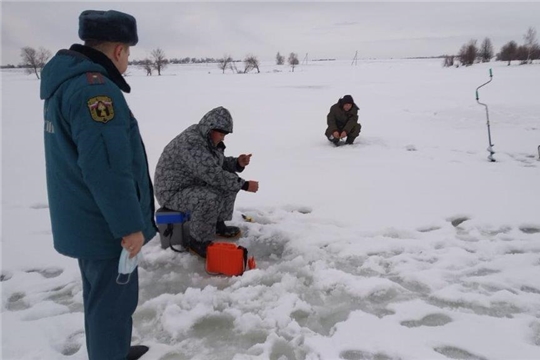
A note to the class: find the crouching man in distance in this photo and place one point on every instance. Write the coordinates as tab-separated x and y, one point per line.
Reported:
342	121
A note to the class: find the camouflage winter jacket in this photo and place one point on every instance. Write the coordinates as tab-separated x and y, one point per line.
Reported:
339	119
191	159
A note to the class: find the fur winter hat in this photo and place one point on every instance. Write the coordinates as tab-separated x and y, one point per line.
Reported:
347	99
111	25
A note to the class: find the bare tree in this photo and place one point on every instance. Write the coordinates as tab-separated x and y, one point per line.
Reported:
160	60
508	52
530	42
251	62
34	60
147	65
522	54
448	61
535	52
233	67
486	50
293	60
225	62
468	53
280	59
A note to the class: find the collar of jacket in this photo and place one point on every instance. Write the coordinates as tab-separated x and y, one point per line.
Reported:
101	59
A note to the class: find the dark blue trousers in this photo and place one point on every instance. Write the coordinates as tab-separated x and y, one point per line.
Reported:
108	308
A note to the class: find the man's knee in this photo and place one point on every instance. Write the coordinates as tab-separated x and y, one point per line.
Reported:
356	130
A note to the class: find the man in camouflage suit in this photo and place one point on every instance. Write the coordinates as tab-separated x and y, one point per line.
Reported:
193	175
342	121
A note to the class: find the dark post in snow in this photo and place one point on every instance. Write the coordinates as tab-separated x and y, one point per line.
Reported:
490	147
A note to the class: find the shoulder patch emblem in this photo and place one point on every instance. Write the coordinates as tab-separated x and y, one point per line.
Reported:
101	108
94	78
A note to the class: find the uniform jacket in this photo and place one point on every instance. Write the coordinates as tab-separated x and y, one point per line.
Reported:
341	120
191	159
97	172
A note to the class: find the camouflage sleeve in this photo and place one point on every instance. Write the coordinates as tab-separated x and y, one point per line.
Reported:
231	164
203	166
100	130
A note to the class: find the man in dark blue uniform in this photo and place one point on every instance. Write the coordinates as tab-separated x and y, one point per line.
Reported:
100	194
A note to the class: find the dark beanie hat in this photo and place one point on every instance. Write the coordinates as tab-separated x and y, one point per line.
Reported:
111	26
347	99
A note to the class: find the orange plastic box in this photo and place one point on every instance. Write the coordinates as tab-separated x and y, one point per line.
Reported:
227	259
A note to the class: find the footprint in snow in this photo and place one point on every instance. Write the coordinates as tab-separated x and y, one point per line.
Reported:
48	273
73	343
457	353
428	320
364	355
530	229
458	220
16	302
39	206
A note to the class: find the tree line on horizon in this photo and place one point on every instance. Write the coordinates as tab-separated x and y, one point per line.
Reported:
158	61
34	60
470	53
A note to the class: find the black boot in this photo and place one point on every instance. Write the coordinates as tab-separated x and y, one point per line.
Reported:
350	140
334	140
198	247
135	352
227	231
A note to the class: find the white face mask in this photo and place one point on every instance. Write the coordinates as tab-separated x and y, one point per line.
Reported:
126	265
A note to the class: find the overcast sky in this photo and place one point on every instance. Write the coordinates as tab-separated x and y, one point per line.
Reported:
321	29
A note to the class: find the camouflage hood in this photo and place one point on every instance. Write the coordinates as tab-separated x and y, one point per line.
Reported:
216	119
191	161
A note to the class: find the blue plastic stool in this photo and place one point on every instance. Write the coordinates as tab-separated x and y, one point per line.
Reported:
173	228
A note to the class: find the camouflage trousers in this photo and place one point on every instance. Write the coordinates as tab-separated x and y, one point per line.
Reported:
207	205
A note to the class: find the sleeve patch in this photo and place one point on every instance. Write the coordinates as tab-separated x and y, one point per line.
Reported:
94	78
101	108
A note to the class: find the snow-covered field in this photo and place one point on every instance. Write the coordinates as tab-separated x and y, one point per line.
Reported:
407	245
